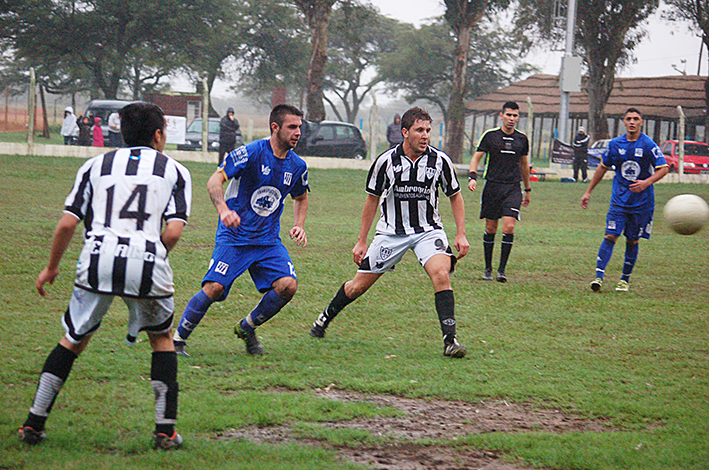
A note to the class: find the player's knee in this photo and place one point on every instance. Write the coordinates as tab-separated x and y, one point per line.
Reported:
214	290
286	287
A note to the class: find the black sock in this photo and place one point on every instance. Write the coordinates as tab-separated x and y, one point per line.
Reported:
488	245
445	307
507	242
54	373
339	302
163	375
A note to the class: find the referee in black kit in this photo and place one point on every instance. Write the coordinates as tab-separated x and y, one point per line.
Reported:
507	164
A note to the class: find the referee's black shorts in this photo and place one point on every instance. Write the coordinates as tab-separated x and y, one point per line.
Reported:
500	200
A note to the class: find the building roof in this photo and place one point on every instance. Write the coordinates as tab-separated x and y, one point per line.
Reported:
656	97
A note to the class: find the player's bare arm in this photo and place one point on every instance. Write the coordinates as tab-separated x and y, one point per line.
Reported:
172	233
63	234
641	185
368	213
473	170
524	167
215	188
300	210
597	177
461	241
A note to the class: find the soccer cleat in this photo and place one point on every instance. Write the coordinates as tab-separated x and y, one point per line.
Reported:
501	277
454	349
622	286
30	436
596	284
165	442
253	347
180	348
488	275
317	331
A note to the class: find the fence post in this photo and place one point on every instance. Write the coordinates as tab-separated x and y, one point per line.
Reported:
205	120
30	113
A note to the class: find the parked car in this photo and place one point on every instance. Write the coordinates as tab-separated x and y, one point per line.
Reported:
696	156
193	136
331	139
595	152
600	144
103	109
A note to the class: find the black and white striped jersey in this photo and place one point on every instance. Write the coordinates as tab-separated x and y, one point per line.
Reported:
409	190
124	197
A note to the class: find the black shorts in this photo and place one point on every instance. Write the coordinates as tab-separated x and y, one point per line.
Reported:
500	200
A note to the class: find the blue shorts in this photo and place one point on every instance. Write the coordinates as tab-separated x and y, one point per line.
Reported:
633	226
266	264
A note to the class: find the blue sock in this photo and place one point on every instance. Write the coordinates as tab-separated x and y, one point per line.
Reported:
193	314
604	255
270	305
631	256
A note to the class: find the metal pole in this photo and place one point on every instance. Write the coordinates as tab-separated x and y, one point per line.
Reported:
680	163
568	52
205	120
30	117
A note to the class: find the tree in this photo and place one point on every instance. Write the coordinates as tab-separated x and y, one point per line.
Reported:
607	32
462	15
359	35
423	68
104	37
697	12
317	14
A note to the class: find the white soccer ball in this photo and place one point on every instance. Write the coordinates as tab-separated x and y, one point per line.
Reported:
686	214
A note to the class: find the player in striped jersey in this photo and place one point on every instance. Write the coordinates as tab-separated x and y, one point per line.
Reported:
405	179
134	203
260	175
507	164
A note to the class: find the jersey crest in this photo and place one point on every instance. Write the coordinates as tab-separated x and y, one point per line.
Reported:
266	200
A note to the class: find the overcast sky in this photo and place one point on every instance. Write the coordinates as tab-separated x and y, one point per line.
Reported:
666	44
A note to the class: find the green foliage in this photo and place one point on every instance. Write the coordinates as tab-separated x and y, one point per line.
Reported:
637	360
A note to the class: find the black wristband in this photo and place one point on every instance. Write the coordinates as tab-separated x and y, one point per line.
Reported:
473	175
528	190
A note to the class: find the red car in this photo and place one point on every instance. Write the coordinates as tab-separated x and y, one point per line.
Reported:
696	156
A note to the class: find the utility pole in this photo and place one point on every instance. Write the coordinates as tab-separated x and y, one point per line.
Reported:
570	76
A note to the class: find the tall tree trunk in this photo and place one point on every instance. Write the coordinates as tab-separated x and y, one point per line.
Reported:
316	72
455	131
599	86
45	121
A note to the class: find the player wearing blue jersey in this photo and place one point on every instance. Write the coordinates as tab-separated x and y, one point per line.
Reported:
133	203
638	164
260	175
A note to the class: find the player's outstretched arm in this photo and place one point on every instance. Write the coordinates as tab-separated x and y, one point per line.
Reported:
60	241
215	188
368	213
300	210
461	241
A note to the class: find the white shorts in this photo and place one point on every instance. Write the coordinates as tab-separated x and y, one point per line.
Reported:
387	250
87	309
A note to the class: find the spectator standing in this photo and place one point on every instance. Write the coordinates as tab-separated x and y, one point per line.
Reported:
125	256
394	135
84	126
580	145
97	133
114	130
228	128
69	126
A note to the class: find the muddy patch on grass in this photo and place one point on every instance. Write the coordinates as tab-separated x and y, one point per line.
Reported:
439	420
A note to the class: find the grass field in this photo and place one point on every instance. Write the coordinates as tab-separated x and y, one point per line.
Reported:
637	363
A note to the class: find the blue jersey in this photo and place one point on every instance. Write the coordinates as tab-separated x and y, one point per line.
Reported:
258	185
633	160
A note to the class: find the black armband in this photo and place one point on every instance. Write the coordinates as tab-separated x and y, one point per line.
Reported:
473	175
528	190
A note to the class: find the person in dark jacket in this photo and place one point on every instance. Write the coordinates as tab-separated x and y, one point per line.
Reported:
228	129
84	124
580	145
394	135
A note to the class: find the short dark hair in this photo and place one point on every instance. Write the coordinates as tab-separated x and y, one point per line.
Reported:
632	110
412	115
279	113
510	105
139	121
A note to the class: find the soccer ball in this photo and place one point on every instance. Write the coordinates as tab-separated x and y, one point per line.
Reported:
686	214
